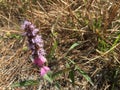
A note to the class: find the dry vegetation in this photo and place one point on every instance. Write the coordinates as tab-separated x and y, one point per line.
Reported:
93	24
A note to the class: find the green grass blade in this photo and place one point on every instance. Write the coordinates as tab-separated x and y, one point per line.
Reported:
48	78
57	85
73	46
25	83
85	75
55	44
71	75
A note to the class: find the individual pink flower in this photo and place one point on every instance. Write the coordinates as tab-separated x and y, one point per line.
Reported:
44	70
40	60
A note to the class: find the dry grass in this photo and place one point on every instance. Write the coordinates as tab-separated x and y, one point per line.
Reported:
94	24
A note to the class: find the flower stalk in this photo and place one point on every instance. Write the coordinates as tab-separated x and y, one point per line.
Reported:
35	43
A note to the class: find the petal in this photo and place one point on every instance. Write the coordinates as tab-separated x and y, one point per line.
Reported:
39	45
32	26
41	52
23	26
37	39
35	31
43	59
44	70
27	22
39	61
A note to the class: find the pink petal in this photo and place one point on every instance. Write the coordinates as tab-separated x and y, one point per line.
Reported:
43	59
39	61
44	70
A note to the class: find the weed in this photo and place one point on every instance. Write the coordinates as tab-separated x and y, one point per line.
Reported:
82	40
